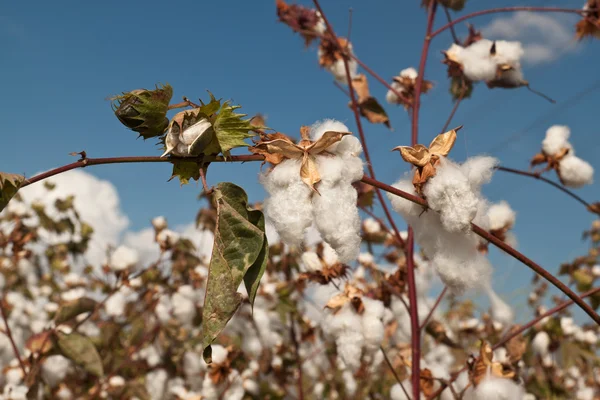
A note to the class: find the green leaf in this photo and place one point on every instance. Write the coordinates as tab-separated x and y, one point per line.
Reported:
185	170
80	349
73	308
239	254
230	129
9	186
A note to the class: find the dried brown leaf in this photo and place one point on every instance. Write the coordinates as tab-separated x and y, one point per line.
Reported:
516	346
443	143
309	172
426	382
417	155
361	86
322	144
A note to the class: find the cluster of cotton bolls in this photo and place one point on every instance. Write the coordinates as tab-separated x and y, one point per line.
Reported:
489	61
443	232
572	170
293	207
410	74
338	69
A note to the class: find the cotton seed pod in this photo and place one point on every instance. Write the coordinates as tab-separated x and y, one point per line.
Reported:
144	111
189	134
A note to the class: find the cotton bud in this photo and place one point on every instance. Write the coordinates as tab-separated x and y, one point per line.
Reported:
144	111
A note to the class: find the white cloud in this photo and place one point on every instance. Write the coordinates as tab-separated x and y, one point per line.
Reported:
545	37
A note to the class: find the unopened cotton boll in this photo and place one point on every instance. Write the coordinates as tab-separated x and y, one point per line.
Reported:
556	139
540	343
123	258
575	172
449	192
492	388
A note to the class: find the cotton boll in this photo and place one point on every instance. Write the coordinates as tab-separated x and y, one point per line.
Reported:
462	268
540	343
156	382
115	305
349	349
372	325
311	261
54	369
349	383
500	311
575	172
556	139
501	215
391	97
406	208
320	127
479	170
123	258
508	52
586	393
492	388
398	394
409	73
337	218
289	207
449	192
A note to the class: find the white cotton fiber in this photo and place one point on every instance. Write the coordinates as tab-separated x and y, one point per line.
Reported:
556	139
540	343
289	208
492	388
501	215
391	97
449	192
575	172
479	170
500	311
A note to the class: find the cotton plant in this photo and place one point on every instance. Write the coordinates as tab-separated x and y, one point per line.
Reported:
501	218
332	59
454	200
311	182
559	155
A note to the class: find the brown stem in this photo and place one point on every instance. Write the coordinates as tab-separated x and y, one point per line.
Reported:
543	179
501	245
396	376
11	339
143	159
452	31
454	109
435	305
504	9
297	355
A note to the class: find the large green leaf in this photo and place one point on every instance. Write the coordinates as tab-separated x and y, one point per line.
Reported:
81	350
239	254
73	308
9	186
185	170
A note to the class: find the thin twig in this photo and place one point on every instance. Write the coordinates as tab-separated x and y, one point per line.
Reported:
435	305
454	109
452	31
505	9
391	367
543	179
297	355
11	339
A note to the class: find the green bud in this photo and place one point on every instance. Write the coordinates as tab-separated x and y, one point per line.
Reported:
144	111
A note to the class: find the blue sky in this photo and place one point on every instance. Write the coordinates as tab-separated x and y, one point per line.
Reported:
59	70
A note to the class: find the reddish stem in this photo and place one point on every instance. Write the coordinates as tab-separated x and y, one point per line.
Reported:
435	306
504	9
543	179
454	109
501	245
11	339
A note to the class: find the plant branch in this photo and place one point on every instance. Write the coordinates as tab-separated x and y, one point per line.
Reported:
538	176
435	306
11	338
501	245
505	9
454	109
380	79
452	31
391	367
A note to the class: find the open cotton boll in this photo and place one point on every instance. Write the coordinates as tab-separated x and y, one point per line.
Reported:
501	215
398	394
492	388
479	170
372	324
123	258
508	52
540	343
575	172
500	311
409	73
449	192
556	139
461	267
337	219
289	207
349	145
391	97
